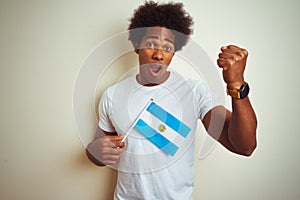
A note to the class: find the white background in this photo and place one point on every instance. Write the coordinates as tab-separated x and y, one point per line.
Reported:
42	46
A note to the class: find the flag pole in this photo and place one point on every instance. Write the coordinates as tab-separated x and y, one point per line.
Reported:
132	126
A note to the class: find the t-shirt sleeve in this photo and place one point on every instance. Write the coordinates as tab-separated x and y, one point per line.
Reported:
206	98
104	109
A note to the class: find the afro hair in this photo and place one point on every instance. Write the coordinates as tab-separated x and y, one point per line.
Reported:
169	15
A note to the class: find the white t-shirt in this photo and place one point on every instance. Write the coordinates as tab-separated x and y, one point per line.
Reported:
145	172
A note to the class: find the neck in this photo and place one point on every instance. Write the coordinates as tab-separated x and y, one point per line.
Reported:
150	84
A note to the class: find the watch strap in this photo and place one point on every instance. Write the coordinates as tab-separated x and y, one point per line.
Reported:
233	93
239	94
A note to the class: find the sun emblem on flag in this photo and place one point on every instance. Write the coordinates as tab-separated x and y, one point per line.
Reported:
162	128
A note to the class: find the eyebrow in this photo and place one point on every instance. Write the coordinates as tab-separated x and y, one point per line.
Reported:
155	37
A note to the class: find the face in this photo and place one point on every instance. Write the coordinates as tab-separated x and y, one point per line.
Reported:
155	51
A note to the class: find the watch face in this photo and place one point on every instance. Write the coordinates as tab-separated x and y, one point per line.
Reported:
244	91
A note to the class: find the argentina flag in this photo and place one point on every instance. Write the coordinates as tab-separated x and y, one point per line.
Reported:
161	127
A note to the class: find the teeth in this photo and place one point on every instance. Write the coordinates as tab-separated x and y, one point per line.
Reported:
157	68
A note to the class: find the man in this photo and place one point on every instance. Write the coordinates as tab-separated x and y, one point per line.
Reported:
157	31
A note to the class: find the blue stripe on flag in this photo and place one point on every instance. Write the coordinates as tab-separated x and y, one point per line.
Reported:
156	138
168	119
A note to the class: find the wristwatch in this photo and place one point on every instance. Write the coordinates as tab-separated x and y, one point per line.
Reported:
241	93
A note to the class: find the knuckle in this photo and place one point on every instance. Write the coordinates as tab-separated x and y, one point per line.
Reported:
121	150
116	157
105	151
230	62
118	151
236	58
105	144
244	52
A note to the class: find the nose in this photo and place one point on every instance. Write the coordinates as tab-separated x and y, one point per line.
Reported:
158	54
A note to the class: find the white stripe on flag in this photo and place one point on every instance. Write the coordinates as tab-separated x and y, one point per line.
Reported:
161	127
155	123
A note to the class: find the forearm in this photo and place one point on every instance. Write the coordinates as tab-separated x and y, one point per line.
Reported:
242	127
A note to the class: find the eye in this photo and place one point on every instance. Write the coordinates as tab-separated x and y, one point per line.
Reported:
150	45
168	48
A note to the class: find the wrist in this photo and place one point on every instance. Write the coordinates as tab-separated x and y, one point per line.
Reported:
240	93
236	85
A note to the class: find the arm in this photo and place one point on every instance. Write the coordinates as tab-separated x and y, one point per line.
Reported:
238	132
102	150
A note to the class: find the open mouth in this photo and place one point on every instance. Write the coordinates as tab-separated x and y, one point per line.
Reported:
155	68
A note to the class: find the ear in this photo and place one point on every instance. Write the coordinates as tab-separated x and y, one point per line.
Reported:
136	48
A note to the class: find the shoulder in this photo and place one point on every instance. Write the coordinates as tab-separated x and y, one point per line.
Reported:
180	79
120	84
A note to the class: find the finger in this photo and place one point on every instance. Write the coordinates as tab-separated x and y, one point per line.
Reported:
108	162
236	50
113	144
224	63
111	139
115	138
241	53
223	48
236	56
110	159
233	57
118	141
230	52
119	144
233	47
227	55
112	150
244	53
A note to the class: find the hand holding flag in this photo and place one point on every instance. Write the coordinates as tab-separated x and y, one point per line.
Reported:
106	149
